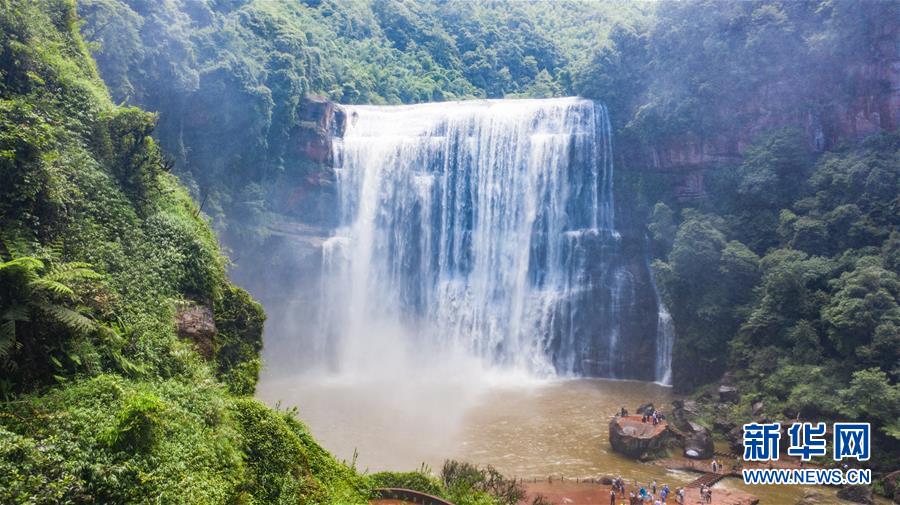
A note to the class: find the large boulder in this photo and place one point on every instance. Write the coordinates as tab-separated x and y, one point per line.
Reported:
629	436
698	442
729	394
856	494
646	408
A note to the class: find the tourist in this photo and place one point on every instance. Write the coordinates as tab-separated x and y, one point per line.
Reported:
708	494
623	412
715	466
612	497
653	487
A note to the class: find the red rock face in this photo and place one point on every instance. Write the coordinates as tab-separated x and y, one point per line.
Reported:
873	106
320	121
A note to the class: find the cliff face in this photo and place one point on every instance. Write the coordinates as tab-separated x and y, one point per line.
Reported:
863	100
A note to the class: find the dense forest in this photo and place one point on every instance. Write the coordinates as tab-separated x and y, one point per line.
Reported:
781	270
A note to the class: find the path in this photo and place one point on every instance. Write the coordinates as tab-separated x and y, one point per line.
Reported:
571	492
398	496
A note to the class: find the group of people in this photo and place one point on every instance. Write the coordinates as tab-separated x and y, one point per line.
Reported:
645	495
652	416
706	493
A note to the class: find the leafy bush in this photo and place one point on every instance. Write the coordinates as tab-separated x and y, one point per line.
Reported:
138	424
417	481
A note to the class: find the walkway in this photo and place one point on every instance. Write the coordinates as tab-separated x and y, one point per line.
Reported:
394	496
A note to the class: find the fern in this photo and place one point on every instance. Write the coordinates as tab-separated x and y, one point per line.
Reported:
54	287
68	317
7	339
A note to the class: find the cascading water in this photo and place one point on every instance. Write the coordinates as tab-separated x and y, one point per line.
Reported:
665	335
481	228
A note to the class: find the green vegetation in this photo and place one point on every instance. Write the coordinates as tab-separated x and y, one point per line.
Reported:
105	404
801	305
99	247
461	483
784	274
228	77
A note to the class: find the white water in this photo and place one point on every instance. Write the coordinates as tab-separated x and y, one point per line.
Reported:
476	235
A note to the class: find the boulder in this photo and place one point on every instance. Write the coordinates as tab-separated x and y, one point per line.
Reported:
810	498
646	408
698	442
629	436
856	494
196	323
729	394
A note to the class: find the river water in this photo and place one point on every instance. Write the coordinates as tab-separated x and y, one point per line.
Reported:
525	428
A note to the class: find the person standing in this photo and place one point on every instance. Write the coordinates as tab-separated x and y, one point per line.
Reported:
612	497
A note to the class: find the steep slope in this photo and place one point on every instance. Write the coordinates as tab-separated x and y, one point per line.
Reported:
101	251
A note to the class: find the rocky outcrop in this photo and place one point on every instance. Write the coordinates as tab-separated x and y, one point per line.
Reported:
195	322
320	121
698	442
635	439
856	494
863	99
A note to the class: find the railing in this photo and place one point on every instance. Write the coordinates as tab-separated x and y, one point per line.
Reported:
408	495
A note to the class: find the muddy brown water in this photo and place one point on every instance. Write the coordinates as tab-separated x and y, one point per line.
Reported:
527	429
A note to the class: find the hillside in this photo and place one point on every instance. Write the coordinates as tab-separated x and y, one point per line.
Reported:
104	403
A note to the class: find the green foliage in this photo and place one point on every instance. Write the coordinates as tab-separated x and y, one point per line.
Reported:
137	424
100	243
285	465
417	481
40	316
228	77
819	312
239	320
467	484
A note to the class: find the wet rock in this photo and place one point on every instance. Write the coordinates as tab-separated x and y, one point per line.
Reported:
856	494
195	322
606	480
698	442
646	408
629	436
729	394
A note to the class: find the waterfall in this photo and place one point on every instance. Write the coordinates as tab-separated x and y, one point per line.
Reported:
665	333
484	228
